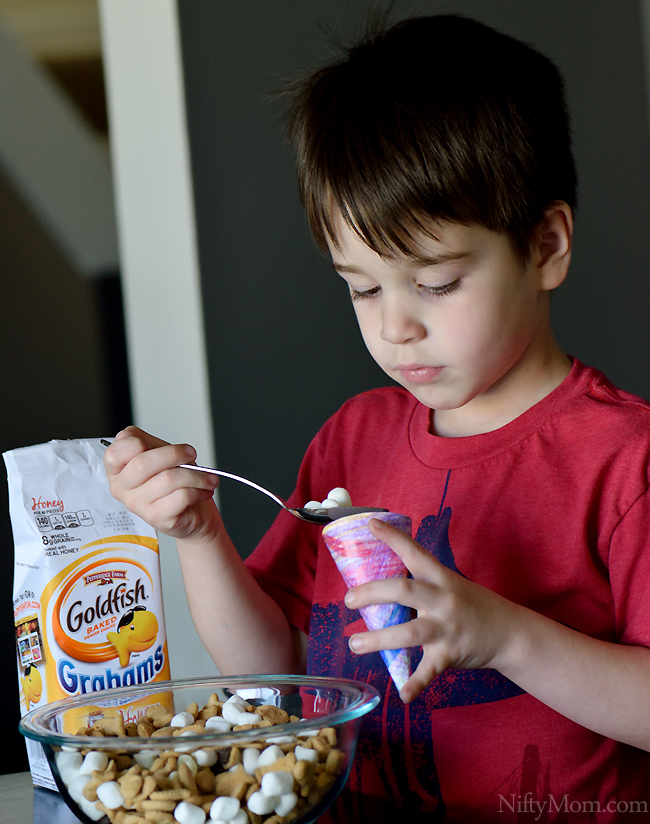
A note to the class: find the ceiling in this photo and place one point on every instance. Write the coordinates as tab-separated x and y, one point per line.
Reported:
63	36
54	30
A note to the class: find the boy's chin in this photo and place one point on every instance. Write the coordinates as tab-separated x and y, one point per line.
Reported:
433	396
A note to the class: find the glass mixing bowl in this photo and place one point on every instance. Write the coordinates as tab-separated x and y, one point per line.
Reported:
197	772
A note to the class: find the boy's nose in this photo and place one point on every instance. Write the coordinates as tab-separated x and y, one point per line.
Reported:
399	323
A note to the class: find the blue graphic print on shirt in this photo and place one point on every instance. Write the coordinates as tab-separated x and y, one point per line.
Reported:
407	771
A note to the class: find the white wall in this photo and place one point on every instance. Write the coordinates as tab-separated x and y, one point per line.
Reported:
158	258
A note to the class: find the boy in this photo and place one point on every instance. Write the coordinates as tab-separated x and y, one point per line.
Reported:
435	166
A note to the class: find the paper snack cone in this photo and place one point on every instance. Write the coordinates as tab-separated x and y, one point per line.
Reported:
360	557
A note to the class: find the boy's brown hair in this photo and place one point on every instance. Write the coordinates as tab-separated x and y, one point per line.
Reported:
434	119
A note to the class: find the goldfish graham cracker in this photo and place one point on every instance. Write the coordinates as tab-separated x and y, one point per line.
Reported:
88	609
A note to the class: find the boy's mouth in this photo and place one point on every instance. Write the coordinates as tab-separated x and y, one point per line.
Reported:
417	373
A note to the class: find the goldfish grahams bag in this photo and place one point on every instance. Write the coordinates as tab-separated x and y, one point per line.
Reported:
88	605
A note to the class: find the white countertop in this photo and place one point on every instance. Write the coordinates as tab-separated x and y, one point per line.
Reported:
22	803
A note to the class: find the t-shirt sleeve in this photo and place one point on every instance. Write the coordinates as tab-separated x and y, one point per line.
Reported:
629	570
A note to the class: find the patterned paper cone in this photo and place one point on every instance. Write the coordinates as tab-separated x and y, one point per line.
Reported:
360	557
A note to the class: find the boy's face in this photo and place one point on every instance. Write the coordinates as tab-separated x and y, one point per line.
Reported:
465	323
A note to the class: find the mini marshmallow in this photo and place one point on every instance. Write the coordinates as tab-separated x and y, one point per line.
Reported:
231	713
145	758
280	739
64	757
217	724
182	719
306	734
305	754
225	808
94	761
185	748
269	755
90	809
237	699
186	813
110	795
206	758
68	764
335	497
286	803
248	718
262	804
341	495
277	783
191	763
76	787
250	758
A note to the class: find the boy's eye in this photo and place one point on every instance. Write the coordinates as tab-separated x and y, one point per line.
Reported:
429	291
440	291
367	293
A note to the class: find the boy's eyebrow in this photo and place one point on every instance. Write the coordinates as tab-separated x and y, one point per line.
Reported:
418	260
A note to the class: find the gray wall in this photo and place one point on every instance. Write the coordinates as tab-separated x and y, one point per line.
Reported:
283	345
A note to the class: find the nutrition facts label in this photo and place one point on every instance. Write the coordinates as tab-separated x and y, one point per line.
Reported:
119	521
64	520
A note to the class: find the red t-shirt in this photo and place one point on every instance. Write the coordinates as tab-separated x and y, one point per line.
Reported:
551	511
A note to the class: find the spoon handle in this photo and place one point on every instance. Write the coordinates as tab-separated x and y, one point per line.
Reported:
239	478
236	478
322	516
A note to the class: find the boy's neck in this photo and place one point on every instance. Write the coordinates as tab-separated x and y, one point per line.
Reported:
534	377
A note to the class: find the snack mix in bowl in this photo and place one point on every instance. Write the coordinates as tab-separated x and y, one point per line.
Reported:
241	749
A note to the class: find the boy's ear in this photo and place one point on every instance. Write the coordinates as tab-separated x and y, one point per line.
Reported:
553	245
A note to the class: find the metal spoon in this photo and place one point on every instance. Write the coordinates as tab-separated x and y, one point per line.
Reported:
314	516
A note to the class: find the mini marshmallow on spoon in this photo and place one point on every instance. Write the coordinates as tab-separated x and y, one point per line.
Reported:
336	512
335	497
338	504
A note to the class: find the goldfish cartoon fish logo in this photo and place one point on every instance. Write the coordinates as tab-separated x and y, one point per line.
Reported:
136	631
32	686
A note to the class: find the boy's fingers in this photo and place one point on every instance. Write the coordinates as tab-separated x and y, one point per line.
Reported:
127	444
170	480
140	458
403	636
416	559
176	503
150	441
414	633
426	671
404	591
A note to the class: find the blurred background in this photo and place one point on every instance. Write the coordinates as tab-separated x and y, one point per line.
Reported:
156	267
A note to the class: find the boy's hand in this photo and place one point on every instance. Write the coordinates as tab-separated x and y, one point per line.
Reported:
143	474
459	624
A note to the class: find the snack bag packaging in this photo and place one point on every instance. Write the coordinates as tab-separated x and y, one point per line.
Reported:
88	609
360	557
